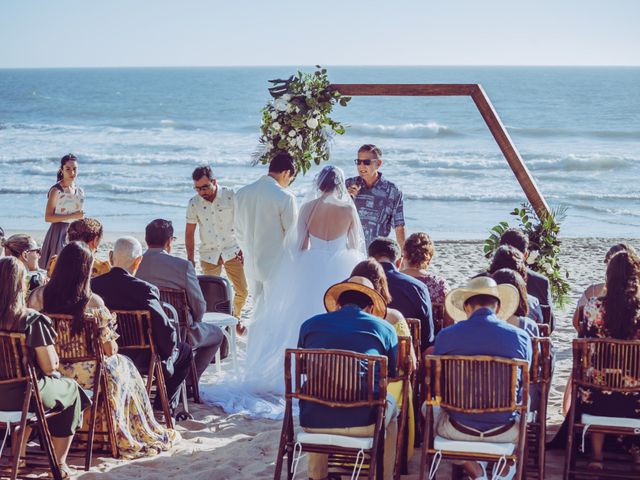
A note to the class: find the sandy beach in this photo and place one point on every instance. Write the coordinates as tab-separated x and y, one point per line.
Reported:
219	446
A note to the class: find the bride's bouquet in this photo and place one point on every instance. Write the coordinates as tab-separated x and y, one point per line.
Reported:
297	119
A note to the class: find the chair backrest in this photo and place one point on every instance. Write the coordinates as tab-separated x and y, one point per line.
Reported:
607	364
134	329
437	310
336	378
403	369
178	299
13	358
414	328
540	371
77	346
546	314
476	384
217	293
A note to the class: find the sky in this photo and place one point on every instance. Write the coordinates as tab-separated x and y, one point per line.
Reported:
127	33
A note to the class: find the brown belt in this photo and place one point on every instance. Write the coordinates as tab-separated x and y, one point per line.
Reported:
477	433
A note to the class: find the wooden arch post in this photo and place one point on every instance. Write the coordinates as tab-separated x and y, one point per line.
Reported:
477	93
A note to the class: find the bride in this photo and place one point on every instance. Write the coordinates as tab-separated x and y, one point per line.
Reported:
327	243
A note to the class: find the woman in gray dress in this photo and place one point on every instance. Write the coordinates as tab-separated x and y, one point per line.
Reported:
65	203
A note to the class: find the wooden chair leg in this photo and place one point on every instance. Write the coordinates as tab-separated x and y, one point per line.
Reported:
195	388
162	391
424	456
111	431
569	460
281	449
93	415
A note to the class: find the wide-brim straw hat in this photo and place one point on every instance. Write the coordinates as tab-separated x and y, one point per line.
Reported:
355	284
507	294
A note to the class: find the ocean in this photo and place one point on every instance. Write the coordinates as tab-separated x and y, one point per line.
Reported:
139	133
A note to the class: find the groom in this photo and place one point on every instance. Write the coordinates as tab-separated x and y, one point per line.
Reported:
264	213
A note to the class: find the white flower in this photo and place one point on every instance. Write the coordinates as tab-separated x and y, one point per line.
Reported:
299	141
286	97
316	113
274	115
292	133
292	141
280	104
312	123
275	126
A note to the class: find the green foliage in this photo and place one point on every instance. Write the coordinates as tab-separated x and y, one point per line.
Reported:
544	246
298	120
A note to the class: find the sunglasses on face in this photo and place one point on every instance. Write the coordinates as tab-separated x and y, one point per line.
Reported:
366	162
203	188
37	250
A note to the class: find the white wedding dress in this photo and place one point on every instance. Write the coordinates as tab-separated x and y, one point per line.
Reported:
294	293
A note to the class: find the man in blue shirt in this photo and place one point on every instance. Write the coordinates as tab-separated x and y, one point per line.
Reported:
354	322
481	309
408	294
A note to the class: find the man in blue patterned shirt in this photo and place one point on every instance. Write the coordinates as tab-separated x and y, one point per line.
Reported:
378	201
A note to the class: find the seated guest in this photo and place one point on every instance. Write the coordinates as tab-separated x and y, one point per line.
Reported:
418	250
353	323
26	249
506	256
69	292
519	318
122	291
597	289
163	270
537	284
615	315
373	271
482	304
55	391
409	295
89	231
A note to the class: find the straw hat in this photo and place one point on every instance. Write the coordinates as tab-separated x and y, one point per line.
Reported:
355	284
507	294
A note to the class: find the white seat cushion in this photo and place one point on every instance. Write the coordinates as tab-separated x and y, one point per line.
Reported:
444	444
610	421
220	319
10	417
363	443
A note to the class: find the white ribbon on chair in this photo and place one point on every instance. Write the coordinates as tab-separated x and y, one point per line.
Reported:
4	440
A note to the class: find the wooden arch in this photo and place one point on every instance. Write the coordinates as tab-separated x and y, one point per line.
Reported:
477	93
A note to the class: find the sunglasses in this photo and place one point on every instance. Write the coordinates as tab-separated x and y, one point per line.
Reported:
203	188
37	250
366	162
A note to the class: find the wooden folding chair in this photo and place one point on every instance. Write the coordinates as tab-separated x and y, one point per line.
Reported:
540	379
404	373
416	379
84	346
178	300
547	318
340	379
602	365
473	384
136	335
17	371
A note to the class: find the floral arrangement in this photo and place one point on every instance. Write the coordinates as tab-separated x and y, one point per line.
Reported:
297	119
544	246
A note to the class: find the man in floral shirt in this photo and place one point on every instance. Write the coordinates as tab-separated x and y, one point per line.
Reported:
378	201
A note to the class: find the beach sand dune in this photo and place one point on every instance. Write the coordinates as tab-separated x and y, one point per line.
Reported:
219	446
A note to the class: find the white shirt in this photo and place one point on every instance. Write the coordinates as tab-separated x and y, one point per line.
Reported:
215	221
264	213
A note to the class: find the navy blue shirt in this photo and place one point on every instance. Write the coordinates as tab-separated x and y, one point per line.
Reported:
484	334
411	297
349	328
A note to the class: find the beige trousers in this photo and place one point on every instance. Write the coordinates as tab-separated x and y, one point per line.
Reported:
235	272
318	469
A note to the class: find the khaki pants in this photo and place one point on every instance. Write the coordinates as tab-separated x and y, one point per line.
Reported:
317	467
235	272
446	430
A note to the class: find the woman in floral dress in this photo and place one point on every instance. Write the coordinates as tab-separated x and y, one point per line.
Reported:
68	292
614	315
418	250
65	203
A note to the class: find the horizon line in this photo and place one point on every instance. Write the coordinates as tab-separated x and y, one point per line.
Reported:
324	66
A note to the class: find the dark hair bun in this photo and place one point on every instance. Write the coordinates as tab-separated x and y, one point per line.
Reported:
327	179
